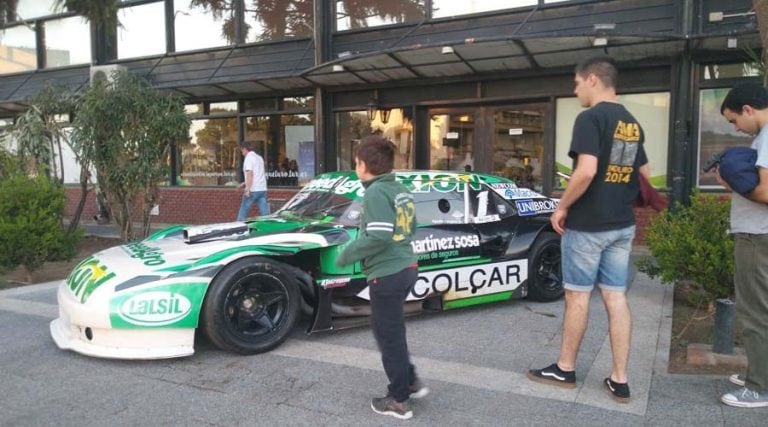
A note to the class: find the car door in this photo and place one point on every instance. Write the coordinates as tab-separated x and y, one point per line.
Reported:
445	240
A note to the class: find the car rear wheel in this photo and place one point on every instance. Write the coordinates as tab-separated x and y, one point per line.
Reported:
545	276
251	306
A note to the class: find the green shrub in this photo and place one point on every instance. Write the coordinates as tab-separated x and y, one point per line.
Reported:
31	230
691	243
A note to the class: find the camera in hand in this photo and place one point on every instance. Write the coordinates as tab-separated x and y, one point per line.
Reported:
714	161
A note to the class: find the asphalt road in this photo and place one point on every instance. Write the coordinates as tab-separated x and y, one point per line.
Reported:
474	360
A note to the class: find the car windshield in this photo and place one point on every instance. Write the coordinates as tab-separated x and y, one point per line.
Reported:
322	205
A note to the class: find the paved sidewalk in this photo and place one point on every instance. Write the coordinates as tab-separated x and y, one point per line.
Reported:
474	360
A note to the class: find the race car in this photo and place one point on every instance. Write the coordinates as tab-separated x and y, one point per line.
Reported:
479	239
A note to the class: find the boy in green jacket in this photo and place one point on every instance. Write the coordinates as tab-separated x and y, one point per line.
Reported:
384	246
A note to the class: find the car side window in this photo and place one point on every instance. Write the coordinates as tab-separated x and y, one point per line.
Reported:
436	207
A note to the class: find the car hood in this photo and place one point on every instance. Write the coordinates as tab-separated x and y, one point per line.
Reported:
166	255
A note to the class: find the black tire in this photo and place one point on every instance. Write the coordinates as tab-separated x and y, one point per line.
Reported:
545	274
251	306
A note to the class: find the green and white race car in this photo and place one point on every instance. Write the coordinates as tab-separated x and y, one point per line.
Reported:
479	239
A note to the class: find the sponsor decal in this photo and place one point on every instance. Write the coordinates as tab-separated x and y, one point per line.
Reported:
471	281
486	218
440	182
334	283
467	282
519	193
87	277
432	243
148	255
339	185
535	207
155	308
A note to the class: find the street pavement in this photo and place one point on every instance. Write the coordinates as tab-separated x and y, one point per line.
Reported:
474	360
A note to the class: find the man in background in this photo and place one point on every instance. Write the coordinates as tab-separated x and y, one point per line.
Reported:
255	186
746	107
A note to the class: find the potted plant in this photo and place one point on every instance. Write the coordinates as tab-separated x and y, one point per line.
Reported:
691	243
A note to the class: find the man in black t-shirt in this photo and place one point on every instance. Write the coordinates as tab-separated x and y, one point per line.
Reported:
597	222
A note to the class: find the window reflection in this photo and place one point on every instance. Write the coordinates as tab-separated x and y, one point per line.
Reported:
28	9
17	50
142	32
67	42
287	144
351	14
451	138
715	133
210	156
223	107
444	8
730	71
518	146
652	112
198	27
275	20
353	126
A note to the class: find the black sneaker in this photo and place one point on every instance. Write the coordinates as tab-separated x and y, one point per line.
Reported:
553	375
418	389
619	391
388	406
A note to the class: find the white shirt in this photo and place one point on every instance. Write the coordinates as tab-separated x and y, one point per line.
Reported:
254	162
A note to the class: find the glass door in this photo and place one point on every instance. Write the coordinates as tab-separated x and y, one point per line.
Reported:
451	140
518	144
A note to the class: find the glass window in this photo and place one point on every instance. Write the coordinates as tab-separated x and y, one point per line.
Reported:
270	22
198	28
518	146
210	156
223	107
715	133
287	144
351	14
299	103
652	112
451	139
444	8
353	126
28	9
193	109
262	104
729	71
18	50
142	32
67	42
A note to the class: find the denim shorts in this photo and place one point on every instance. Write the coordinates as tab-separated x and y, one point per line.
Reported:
596	257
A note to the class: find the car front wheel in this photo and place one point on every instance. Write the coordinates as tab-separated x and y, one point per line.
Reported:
545	277
251	306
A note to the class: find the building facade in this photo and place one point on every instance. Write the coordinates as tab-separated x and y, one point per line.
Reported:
456	85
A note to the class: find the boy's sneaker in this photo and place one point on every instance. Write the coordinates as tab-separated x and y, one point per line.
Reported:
418	389
553	375
388	406
738	379
619	391
745	398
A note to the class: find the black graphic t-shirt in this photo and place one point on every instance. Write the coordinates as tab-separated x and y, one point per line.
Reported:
609	132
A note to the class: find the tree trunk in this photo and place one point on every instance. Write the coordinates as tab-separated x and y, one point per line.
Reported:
81	204
761	12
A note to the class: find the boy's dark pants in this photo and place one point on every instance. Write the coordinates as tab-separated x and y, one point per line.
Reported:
388	294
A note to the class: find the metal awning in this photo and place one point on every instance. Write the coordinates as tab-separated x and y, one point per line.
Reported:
507	54
230	72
